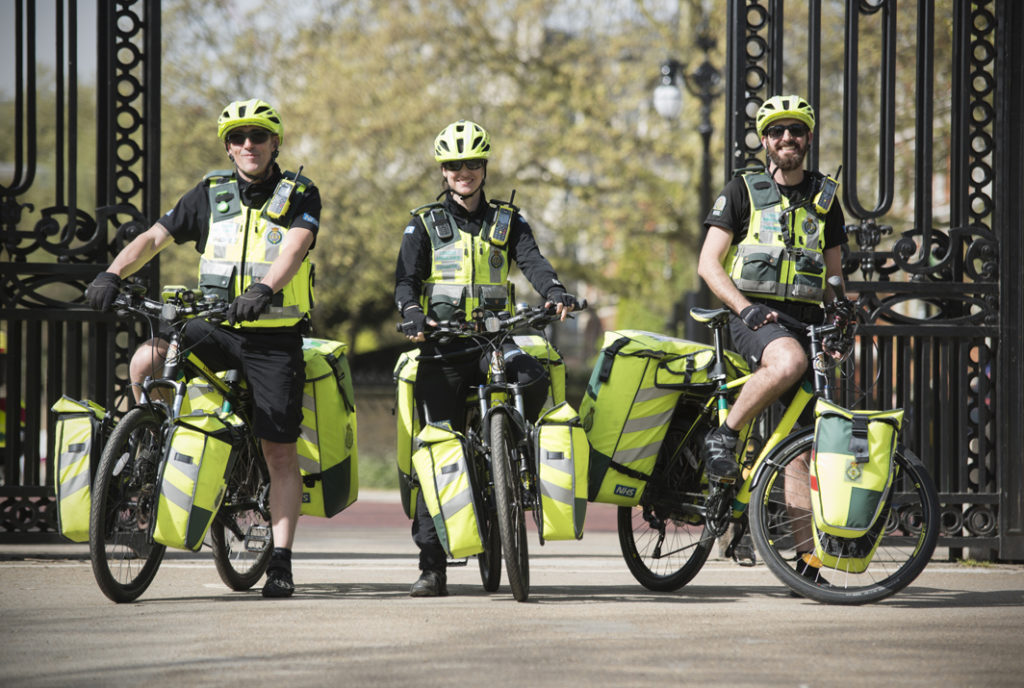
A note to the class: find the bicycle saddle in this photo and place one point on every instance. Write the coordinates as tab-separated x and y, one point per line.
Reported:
717	317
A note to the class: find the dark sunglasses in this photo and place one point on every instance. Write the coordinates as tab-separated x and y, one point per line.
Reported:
795	130
257	136
456	165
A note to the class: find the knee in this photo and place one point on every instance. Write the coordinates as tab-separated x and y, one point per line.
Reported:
281	456
147	359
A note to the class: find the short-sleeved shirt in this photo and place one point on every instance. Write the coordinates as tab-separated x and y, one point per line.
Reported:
189	220
731	211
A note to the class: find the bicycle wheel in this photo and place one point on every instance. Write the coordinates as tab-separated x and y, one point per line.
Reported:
240	533
490	559
511	516
124	496
664	539
911	520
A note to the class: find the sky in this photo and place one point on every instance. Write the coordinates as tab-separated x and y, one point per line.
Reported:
46	49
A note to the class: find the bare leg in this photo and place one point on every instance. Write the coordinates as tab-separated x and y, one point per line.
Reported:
147	361
285	490
783	364
798	502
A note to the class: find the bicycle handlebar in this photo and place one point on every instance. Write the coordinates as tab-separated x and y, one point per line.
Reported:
179	305
485	323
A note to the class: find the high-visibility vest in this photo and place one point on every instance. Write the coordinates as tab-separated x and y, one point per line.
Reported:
467	271
242	244
781	258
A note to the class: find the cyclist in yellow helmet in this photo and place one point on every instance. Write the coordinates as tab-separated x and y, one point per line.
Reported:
256	254
455	256
773	238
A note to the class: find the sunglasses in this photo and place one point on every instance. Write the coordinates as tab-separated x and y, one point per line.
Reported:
795	130
456	165
257	136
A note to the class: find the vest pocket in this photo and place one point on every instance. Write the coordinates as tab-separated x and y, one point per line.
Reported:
758	268
444	299
493	297
217	285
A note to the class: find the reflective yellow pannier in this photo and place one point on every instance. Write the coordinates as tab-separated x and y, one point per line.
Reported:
563	462
446	478
78	440
328	452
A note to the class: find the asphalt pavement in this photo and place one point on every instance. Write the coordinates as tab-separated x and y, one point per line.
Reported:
587	622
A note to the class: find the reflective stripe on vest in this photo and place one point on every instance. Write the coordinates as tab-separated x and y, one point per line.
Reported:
776	261
466	271
240	248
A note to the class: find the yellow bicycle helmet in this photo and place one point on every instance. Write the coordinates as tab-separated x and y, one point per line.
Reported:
462	140
784	107
253	112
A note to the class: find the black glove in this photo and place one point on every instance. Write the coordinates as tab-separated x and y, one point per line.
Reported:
249	305
755	315
414	322
560	296
102	291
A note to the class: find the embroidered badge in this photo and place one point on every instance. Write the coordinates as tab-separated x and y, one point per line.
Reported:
274	236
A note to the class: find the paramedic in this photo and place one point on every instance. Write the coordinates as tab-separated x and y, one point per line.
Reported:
455	256
768	213
259	259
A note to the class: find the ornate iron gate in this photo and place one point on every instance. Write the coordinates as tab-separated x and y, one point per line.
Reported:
943	339
55	345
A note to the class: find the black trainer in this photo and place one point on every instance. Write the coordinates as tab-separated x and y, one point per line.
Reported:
719	453
430	584
279	583
809	571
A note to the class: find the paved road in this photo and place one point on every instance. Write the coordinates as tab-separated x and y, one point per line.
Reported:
587	622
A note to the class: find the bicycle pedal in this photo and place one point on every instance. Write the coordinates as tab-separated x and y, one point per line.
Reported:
257	538
458	562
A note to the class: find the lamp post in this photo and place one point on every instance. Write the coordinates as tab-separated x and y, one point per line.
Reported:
702	83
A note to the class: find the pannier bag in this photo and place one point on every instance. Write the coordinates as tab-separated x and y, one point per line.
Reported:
541	349
328	453
79	436
851	467
630	398
563	460
442	466
193	477
408	427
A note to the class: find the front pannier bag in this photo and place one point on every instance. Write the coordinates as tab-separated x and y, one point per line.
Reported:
446	479
408	427
563	459
79	435
328	453
632	394
851	467
194	472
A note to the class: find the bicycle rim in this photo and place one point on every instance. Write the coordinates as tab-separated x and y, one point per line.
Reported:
911	522
125	492
241	534
510	514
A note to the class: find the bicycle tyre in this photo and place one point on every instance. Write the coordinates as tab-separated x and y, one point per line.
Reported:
490	559
124	497
241	533
667	520
901	556
511	516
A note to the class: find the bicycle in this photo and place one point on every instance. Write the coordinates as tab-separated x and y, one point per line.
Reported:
667	537
500	439
126	486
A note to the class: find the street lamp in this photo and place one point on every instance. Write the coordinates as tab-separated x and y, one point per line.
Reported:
704	84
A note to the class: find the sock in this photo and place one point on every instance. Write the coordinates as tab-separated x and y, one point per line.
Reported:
724	429
281	558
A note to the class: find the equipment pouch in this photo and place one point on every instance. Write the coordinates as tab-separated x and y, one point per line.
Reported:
563	465
79	435
408	427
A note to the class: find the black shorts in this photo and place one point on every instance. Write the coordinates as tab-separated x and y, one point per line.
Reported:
271	363
751	345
